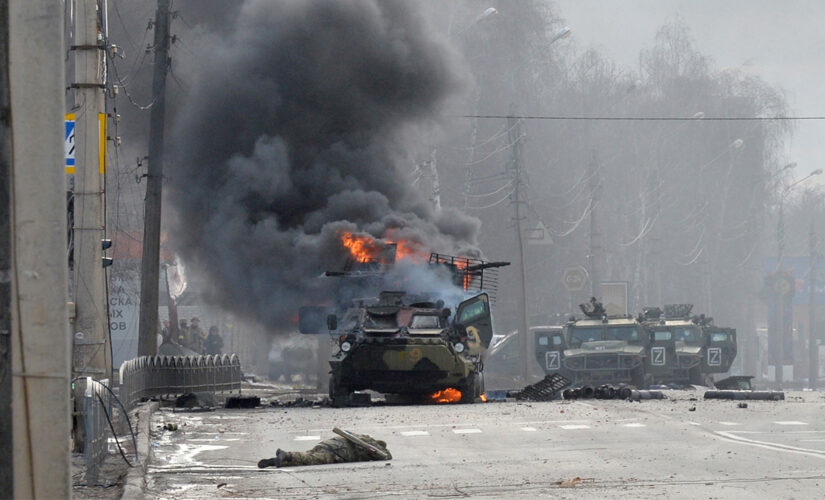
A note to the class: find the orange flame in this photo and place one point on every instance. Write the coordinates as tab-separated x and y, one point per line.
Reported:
365	248
362	248
483	398
467	277
448	395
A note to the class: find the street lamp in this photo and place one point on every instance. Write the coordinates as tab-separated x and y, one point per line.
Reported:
564	33
515	139
781	292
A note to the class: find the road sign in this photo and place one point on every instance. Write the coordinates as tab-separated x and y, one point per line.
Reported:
69	143
574	278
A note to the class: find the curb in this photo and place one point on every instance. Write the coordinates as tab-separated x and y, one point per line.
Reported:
135	484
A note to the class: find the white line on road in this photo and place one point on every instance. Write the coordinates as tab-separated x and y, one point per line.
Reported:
731	436
415	433
695	423
634	424
307	438
790	422
529	429
573	427
466	431
729	423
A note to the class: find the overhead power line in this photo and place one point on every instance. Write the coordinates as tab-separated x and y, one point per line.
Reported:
646	118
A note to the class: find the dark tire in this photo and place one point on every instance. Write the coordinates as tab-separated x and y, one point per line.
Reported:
637	377
338	396
695	376
472	388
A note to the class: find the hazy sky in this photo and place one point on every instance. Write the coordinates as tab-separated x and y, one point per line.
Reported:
782	41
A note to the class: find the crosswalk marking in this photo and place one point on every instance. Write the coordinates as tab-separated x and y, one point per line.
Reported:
790	422
529	429
466	431
729	423
307	438
415	433
694	423
634	424
574	426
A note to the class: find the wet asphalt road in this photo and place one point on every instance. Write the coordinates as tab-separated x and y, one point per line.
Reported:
583	449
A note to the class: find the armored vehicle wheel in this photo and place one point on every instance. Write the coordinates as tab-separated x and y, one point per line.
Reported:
696	377
339	396
473	388
637	377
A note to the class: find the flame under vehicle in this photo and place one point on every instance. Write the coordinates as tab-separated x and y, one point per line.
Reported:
412	344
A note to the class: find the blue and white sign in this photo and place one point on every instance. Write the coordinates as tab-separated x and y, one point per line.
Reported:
69	143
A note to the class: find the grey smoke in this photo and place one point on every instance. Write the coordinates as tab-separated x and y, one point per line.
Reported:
297	127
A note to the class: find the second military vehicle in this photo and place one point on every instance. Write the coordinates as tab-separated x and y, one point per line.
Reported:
602	349
676	345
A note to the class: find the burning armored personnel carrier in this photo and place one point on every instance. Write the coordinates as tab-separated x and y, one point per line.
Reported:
422	344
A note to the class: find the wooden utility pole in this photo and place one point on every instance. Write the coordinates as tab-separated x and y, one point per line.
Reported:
90	329
40	333
514	126
6	439
150	263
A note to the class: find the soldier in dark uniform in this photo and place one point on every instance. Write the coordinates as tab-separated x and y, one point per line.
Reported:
330	451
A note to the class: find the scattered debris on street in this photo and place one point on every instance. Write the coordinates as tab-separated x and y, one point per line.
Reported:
751	395
543	390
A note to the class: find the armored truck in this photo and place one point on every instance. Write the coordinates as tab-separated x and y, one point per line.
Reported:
610	350
676	344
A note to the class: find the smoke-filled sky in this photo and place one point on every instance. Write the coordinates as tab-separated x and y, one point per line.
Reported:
780	41
297	128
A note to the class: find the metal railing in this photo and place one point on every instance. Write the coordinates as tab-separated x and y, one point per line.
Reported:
97	403
151	376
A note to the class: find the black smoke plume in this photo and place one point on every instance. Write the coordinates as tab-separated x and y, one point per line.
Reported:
298	126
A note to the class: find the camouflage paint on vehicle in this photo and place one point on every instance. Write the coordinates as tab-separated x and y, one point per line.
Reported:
405	344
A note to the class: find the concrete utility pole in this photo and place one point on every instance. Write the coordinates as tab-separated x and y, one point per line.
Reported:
40	332
150	263
6	440
91	349
514	126
595	244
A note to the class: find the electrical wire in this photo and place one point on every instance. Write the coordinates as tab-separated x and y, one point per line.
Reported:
112	427
645	230
499	202
576	224
644	118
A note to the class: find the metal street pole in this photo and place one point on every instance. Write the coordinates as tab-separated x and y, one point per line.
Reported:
524	322
595	245
150	262
40	331
782	292
780	297
813	349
